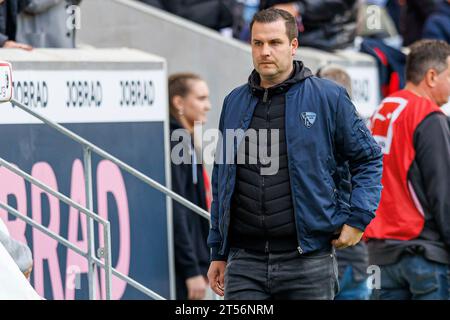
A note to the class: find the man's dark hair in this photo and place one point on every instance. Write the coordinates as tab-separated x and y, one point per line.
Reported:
272	15
425	55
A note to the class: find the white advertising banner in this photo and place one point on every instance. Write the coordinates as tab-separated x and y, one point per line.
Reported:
365	88
91	96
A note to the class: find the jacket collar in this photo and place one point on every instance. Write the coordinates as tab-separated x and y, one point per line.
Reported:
299	73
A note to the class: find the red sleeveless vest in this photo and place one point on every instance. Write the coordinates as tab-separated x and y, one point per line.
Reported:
399	215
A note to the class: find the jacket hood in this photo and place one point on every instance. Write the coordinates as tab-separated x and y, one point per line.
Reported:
299	73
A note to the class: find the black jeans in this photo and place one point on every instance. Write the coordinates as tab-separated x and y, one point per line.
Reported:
251	275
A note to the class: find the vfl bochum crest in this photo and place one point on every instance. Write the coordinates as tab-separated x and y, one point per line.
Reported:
308	119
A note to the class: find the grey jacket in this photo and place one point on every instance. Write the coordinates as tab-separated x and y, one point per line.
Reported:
47	24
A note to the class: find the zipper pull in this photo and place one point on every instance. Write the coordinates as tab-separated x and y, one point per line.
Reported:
266	249
300	250
266	93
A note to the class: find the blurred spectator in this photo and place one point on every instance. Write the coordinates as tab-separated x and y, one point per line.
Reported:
413	14
352	261
378	37
409	238
390	63
47	24
327	24
437	25
9	9
243	12
214	14
189	103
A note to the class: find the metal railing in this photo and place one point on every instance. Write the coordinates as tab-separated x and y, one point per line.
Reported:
104	252
88	148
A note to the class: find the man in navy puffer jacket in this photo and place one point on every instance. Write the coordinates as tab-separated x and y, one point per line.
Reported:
277	215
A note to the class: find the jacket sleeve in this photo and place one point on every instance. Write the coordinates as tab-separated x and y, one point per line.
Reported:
355	143
432	145
185	255
214	237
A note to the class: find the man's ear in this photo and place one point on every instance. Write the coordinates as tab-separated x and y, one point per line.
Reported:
431	77
294	46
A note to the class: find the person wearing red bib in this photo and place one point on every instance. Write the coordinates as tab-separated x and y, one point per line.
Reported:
409	238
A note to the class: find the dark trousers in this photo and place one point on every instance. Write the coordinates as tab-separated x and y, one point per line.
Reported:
251	275
182	292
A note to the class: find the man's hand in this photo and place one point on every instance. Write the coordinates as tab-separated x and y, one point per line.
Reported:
349	237
289	7
196	287
216	275
15	45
